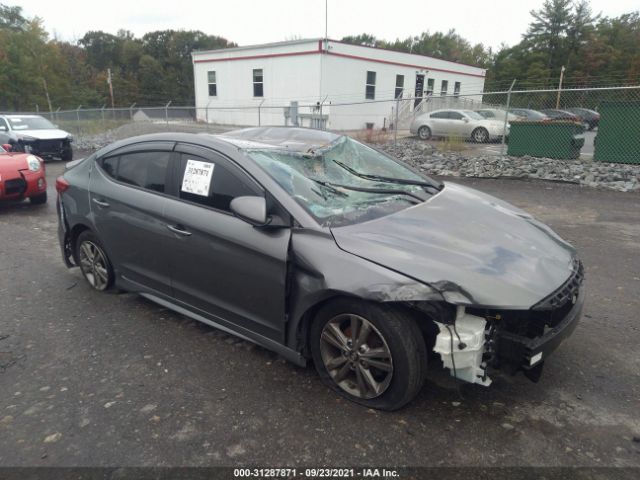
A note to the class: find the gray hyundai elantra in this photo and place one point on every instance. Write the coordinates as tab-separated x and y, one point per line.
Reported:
323	249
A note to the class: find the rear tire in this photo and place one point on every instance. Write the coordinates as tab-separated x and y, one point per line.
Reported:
93	261
382	366
424	133
480	135
38	199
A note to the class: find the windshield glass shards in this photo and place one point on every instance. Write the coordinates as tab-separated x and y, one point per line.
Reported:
345	182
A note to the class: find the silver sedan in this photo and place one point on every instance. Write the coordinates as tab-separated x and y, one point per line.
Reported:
458	123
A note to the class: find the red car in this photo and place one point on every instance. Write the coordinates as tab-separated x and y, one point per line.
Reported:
22	176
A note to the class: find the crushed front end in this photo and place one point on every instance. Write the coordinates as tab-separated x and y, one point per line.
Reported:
478	341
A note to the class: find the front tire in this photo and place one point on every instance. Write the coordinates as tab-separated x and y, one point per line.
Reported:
369	353
93	261
424	133
38	199
480	135
67	154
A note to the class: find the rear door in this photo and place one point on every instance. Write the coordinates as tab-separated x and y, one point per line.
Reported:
127	193
223	267
440	123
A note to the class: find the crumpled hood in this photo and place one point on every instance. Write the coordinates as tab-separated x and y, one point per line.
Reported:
474	248
49	134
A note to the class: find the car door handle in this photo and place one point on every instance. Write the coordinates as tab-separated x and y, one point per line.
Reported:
100	203
179	229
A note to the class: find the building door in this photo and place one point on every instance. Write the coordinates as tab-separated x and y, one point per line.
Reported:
419	90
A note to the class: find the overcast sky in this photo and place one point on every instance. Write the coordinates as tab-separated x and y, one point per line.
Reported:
247	22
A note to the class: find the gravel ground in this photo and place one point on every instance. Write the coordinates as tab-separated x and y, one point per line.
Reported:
90	379
423	155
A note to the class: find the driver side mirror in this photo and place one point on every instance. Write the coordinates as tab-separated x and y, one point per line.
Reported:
251	209
7	147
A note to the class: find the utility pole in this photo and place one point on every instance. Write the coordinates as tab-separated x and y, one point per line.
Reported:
110	82
46	93
559	87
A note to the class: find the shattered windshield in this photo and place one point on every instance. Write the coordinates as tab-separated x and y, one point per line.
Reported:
345	182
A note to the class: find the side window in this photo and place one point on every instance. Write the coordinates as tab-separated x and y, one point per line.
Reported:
215	182
141	169
110	166
444	114
3	126
456	116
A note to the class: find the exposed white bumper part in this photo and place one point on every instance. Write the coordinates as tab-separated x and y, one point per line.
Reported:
467	349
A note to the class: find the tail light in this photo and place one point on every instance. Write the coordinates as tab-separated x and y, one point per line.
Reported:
62	185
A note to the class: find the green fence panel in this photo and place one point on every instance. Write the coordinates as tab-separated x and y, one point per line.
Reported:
559	140
618	138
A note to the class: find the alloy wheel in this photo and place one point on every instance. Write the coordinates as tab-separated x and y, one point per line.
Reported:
93	264
356	356
480	135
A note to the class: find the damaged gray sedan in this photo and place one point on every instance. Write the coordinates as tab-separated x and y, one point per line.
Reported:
323	249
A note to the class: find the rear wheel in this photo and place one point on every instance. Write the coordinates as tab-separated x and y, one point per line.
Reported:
369	353
39	199
480	135
93	261
424	133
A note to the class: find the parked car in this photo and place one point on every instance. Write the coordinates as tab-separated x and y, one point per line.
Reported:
497	114
555	114
22	176
323	249
528	114
457	123
590	118
37	135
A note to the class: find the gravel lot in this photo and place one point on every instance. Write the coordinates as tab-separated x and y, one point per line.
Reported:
92	379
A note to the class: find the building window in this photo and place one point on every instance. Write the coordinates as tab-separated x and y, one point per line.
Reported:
370	92
258	83
444	87
456	89
399	86
431	84
213	86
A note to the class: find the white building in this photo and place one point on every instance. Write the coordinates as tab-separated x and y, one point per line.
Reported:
355	85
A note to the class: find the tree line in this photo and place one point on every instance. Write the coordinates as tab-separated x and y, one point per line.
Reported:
39	72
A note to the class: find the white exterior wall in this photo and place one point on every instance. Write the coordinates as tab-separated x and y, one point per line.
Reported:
286	78
293	72
347	75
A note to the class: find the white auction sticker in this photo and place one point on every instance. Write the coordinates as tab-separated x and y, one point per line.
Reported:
197	177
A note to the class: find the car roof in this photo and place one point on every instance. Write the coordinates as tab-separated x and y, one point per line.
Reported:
290	138
21	116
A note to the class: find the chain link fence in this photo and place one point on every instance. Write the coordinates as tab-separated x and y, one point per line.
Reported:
597	124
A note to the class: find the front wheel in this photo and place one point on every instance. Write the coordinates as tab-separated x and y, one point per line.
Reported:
480	135
67	154
93	261
424	133
371	354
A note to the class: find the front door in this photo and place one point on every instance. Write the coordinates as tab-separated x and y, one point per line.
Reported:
419	90
126	193
223	267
